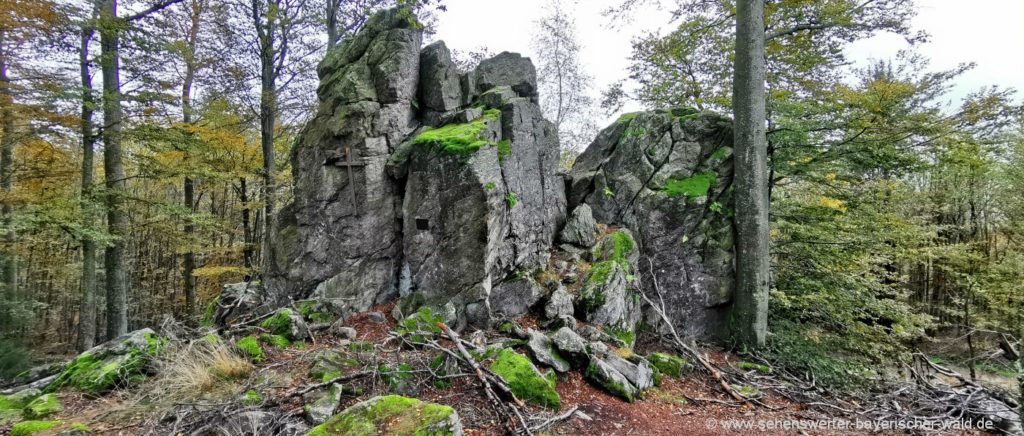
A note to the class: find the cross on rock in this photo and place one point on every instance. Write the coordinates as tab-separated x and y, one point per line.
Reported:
348	160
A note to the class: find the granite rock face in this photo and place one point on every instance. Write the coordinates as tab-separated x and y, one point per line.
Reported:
416	181
341	238
666	175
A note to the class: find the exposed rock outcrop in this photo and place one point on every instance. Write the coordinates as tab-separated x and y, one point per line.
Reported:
666	175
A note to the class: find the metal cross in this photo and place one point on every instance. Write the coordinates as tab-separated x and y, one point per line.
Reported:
347	160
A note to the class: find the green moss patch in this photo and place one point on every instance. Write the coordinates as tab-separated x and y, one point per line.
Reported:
94	375
511	199
692	187
524	379
275	340
19	400
750	366
280	323
27	428
252	398
390	415
668	364
458	139
251	347
504	149
42	407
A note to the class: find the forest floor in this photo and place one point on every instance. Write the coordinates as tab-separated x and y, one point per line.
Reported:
691	405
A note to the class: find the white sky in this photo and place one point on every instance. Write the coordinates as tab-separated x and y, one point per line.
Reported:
987	32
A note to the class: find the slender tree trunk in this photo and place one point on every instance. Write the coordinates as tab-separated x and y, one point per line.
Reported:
266	28
87	310
247	250
750	310
113	170
332	23
8	261
189	263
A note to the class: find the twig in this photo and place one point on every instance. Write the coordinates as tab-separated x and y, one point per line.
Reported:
555	419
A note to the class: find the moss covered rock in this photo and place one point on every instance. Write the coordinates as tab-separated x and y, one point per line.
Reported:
393	415
526	382
250	345
287	323
42	407
18	400
114	363
669	364
27	428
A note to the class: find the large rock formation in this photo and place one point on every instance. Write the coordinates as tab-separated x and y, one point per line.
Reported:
667	176
416	180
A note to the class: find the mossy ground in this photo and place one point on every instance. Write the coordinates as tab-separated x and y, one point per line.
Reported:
389	415
27	428
524	380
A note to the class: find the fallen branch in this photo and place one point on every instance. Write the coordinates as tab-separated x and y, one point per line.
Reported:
555	419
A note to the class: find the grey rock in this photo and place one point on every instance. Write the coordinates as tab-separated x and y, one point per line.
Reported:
580	229
376	318
592	333
341	238
439	86
111	364
288	323
543	351
569	343
605	376
607	297
510	69
237	300
686	237
328	361
559	306
512	298
498	96
339	329
320	405
627	379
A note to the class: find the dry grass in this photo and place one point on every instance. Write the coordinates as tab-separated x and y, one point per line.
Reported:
199	368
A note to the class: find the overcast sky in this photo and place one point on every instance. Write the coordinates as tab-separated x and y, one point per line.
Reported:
987	32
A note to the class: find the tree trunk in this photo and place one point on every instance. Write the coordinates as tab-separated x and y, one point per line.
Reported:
266	28
332	23
8	262
750	311
247	250
113	170
87	310
189	263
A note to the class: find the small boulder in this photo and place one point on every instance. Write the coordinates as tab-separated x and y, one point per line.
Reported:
42	407
320	406
570	343
110	364
511	69
340	330
601	373
328	364
376	318
236	300
543	351
393	415
525	380
287	323
515	297
559	308
581	228
498	97
19	400
669	364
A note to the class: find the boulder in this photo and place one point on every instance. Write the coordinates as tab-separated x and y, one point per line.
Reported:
320	405
559	308
666	175
510	69
340	239
543	351
19	400
235	301
570	344
439	87
608	297
515	297
288	324
113	363
525	380
580	228
43	406
624	378
393	415
328	364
